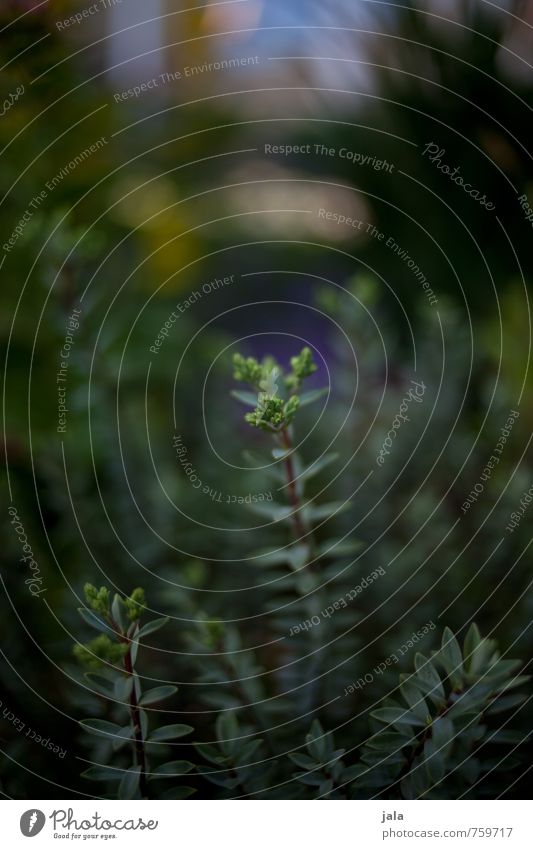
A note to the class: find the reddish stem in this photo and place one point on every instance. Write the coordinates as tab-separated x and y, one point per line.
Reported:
294	498
140	755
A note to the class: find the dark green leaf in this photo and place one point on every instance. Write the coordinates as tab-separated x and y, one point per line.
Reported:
172	769
157	694
415	701
318	512
442	734
451	657
96	621
123	687
429	678
129	785
318	466
119	614
303	761
210	753
434	761
503	703
397	716
103	773
248	398
312	395
169	732
178	793
152	626
104	686
101	727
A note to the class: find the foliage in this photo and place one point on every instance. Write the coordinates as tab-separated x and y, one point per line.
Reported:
440	743
112	659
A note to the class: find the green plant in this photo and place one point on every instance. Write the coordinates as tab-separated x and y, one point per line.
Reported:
277	398
440	742
322	765
231	758
111	660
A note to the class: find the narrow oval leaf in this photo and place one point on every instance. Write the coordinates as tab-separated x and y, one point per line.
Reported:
103	773
318	465
248	398
169	732
101	727
95	621
129	786
157	694
152	626
312	395
172	769
118	613
178	793
123	688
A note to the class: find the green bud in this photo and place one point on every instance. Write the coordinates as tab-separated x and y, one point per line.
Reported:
247	369
290	408
135	604
303	365
100	651
97	600
269	413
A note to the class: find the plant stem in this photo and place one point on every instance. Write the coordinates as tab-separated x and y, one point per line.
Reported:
294	499
140	755
303	533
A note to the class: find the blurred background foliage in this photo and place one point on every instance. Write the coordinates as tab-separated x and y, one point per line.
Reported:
182	193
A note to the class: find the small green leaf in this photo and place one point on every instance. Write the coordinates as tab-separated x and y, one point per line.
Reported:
124	736
313	779
318	465
429	678
172	769
247	398
511	737
144	723
451	658
434	761
152	626
303	761
504	703
273	511
210	753
247	752
169	732
442	733
129	785
103	773
96	621
471	643
101	727
415	701
178	793
157	694
104	686
338	548
134	649
227	730
298	556
317	743
397	716
312	396
389	741
318	512
123	687
118	613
